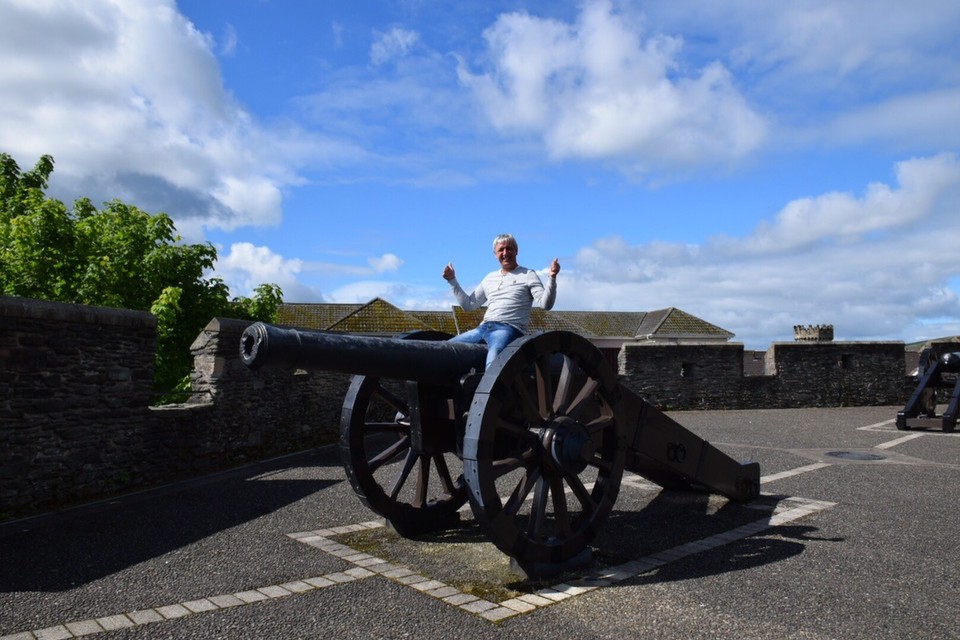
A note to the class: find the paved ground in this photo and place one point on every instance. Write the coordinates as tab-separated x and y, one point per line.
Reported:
860	545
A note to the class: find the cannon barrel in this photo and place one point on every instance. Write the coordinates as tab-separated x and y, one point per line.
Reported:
433	361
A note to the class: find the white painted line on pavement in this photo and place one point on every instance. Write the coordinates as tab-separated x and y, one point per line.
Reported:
877	425
893	443
789	473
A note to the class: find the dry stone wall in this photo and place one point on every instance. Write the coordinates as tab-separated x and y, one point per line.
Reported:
798	374
75	384
684	376
76	421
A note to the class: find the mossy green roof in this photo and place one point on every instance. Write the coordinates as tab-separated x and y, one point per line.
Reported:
673	322
541	320
314	315
466	320
375	317
608	324
437	320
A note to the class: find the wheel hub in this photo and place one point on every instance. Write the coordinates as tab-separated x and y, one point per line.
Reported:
568	444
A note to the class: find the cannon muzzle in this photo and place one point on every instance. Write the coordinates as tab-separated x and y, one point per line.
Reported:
433	361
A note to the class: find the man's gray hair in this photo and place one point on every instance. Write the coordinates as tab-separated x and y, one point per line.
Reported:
505	237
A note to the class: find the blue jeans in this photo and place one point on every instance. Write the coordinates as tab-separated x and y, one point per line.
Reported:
497	335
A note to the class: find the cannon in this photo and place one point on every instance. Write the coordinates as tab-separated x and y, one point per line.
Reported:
537	443
935	372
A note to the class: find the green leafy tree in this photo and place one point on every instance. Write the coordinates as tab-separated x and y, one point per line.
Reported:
118	256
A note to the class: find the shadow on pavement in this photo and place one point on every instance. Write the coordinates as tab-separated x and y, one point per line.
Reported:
674	518
66	550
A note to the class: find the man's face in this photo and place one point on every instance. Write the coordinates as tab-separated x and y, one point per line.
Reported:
506	253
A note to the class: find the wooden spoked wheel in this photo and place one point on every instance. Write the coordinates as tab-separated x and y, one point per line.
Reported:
544	449
415	491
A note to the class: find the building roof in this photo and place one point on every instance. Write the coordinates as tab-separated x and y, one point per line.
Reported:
377	317
380	317
674	323
612	324
466	320
314	315
439	320
541	320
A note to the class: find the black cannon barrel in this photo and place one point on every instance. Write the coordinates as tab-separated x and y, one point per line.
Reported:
434	361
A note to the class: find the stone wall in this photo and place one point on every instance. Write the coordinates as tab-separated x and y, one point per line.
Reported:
76	423
838	374
797	374
76	389
688	376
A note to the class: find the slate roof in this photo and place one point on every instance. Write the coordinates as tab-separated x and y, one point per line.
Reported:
375	317
467	320
541	320
607	323
439	320
675	323
380	317
314	316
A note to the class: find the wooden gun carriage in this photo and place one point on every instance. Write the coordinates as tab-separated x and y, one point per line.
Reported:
542	436
935	372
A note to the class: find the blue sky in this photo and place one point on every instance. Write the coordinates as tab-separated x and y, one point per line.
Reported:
757	164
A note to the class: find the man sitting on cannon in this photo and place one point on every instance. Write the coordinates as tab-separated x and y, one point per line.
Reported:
509	294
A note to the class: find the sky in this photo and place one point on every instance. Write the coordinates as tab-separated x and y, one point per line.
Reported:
757	164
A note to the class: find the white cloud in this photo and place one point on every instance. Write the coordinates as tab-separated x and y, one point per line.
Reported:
926	118
386	262
844	217
599	90
834	72
128	99
336	29
870	265
228	46
395	43
245	266
821	42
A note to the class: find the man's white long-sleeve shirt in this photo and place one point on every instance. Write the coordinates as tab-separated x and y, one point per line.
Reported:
509	297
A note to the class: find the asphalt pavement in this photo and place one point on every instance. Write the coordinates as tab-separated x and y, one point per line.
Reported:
854	536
